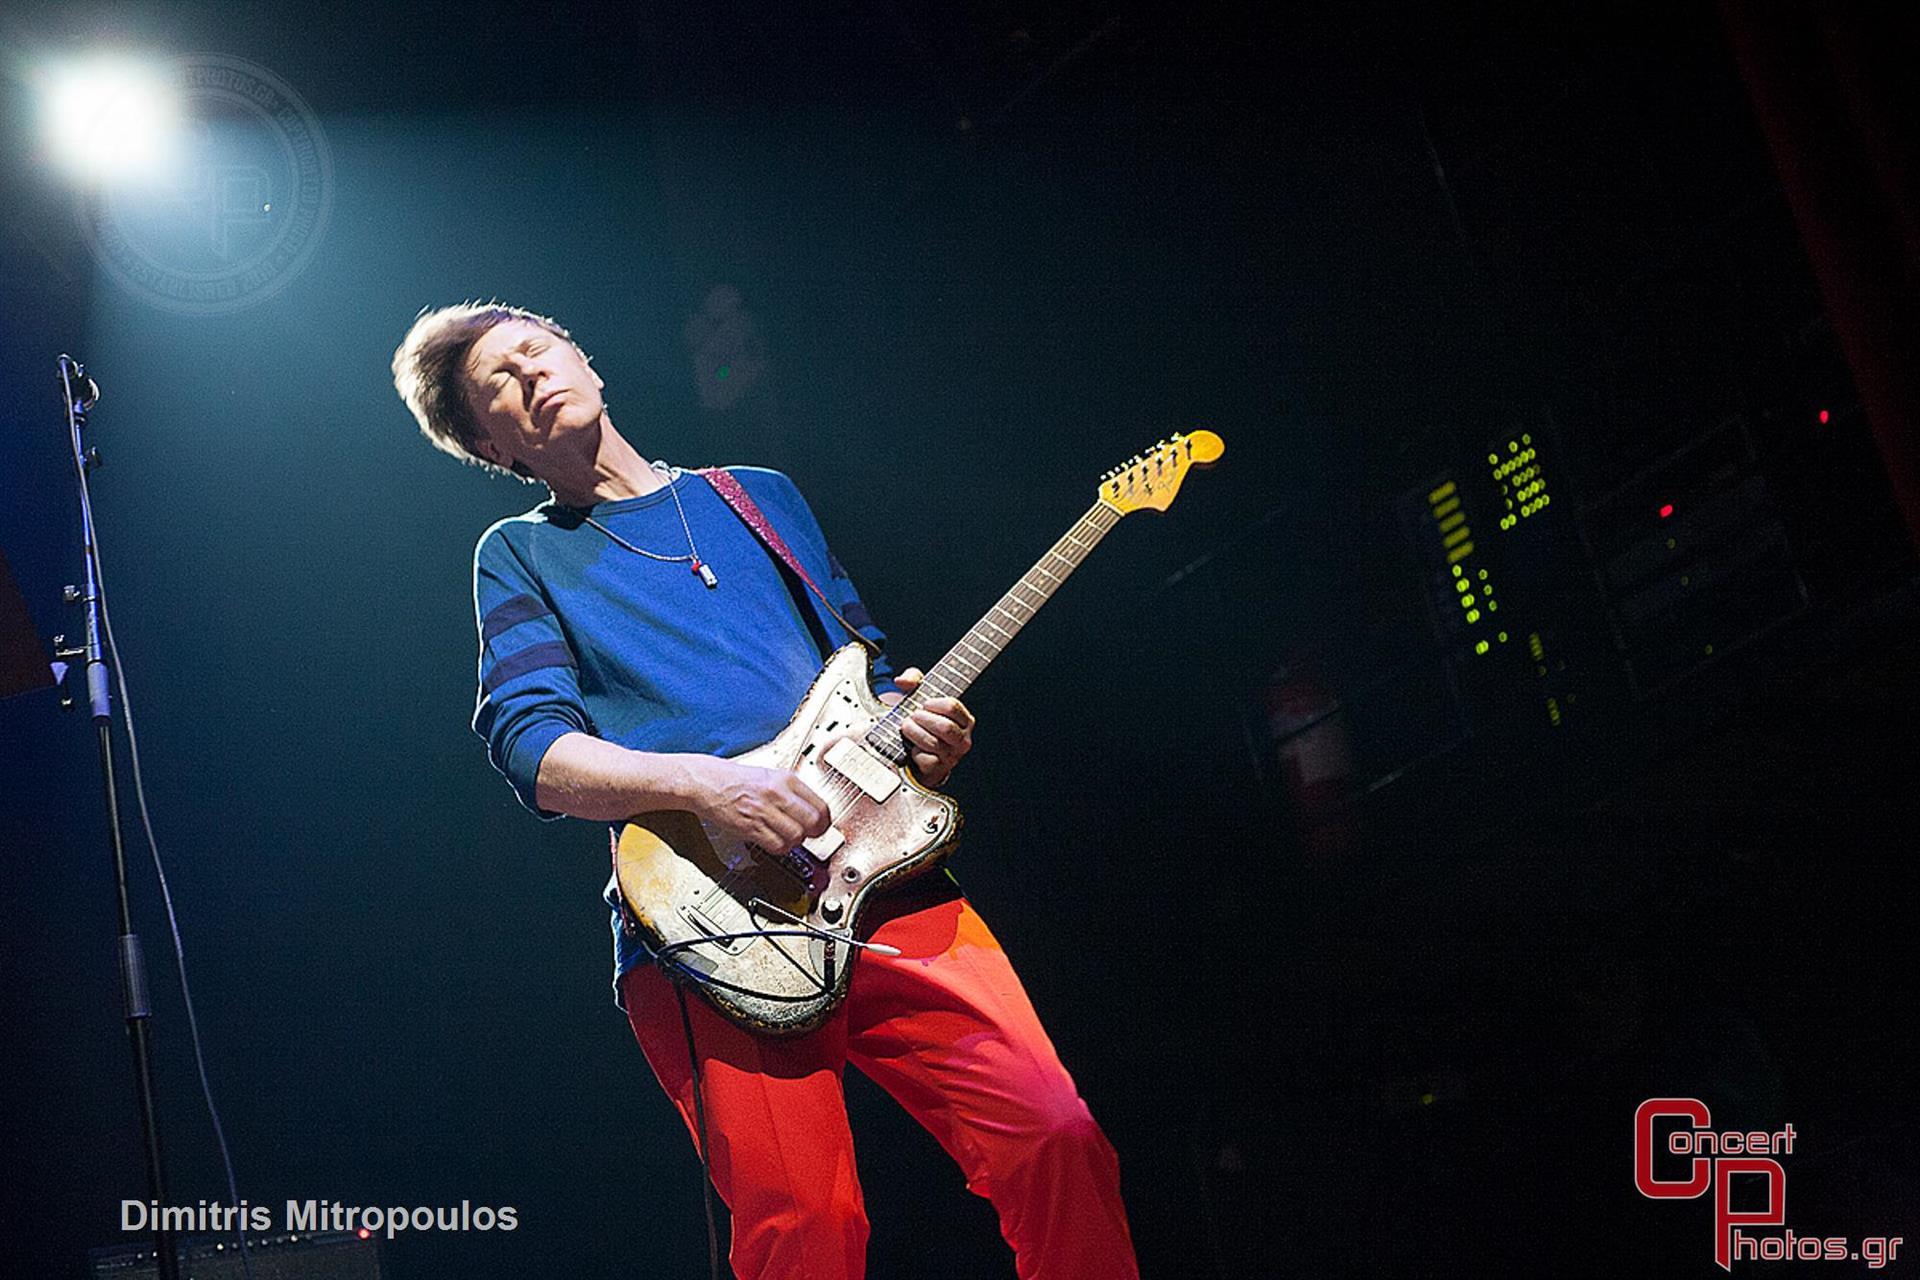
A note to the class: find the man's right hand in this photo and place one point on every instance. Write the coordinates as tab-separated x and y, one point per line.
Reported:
768	807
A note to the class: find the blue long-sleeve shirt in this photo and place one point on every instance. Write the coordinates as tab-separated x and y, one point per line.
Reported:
578	633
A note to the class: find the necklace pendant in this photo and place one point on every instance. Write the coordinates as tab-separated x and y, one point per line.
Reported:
706	574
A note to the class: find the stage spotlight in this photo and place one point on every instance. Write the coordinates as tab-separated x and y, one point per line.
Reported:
109	118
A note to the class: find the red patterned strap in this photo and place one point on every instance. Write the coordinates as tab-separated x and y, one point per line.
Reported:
734	495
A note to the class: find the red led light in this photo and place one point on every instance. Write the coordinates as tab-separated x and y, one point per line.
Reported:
1666	511
364	1234
1824	415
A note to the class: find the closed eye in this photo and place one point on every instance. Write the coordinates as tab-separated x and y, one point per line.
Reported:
531	346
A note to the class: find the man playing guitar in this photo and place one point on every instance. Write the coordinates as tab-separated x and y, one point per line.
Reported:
635	633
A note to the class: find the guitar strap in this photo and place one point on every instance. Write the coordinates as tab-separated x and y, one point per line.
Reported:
735	496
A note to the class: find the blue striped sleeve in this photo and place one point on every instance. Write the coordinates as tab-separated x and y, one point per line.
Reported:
529	682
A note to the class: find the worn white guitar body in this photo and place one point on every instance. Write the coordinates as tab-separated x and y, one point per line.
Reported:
768	935
701	895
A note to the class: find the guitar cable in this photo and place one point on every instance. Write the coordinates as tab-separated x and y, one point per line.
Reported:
700	1115
680	975
802	930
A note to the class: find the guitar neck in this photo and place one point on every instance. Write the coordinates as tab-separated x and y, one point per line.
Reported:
953	674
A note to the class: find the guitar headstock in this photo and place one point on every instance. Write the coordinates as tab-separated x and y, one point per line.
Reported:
1152	479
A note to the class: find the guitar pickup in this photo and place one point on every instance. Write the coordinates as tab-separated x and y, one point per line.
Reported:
825	845
865	770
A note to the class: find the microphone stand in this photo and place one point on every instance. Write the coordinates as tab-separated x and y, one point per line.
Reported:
80	393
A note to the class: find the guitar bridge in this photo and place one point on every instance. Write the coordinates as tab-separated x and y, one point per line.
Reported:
793	862
701	917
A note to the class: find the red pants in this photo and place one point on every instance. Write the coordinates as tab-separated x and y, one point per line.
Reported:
947	1030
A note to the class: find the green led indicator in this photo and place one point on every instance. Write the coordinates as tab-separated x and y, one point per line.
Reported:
1523	487
724	372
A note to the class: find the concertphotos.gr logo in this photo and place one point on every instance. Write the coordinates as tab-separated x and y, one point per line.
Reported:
242	211
1713	1159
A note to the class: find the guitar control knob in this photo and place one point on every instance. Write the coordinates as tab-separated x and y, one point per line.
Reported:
832	909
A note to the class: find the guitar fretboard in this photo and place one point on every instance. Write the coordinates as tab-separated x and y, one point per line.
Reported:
962	665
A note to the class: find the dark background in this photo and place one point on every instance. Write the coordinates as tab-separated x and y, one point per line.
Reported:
987	252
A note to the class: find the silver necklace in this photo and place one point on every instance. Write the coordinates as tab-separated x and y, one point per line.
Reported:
692	558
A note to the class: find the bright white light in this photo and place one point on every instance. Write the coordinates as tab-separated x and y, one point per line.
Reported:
110	118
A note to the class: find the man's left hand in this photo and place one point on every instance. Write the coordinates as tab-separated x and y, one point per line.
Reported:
938	733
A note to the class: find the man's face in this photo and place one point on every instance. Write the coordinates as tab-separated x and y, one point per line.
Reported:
532	395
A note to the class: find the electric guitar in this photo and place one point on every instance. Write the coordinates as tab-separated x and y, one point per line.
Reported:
767	935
